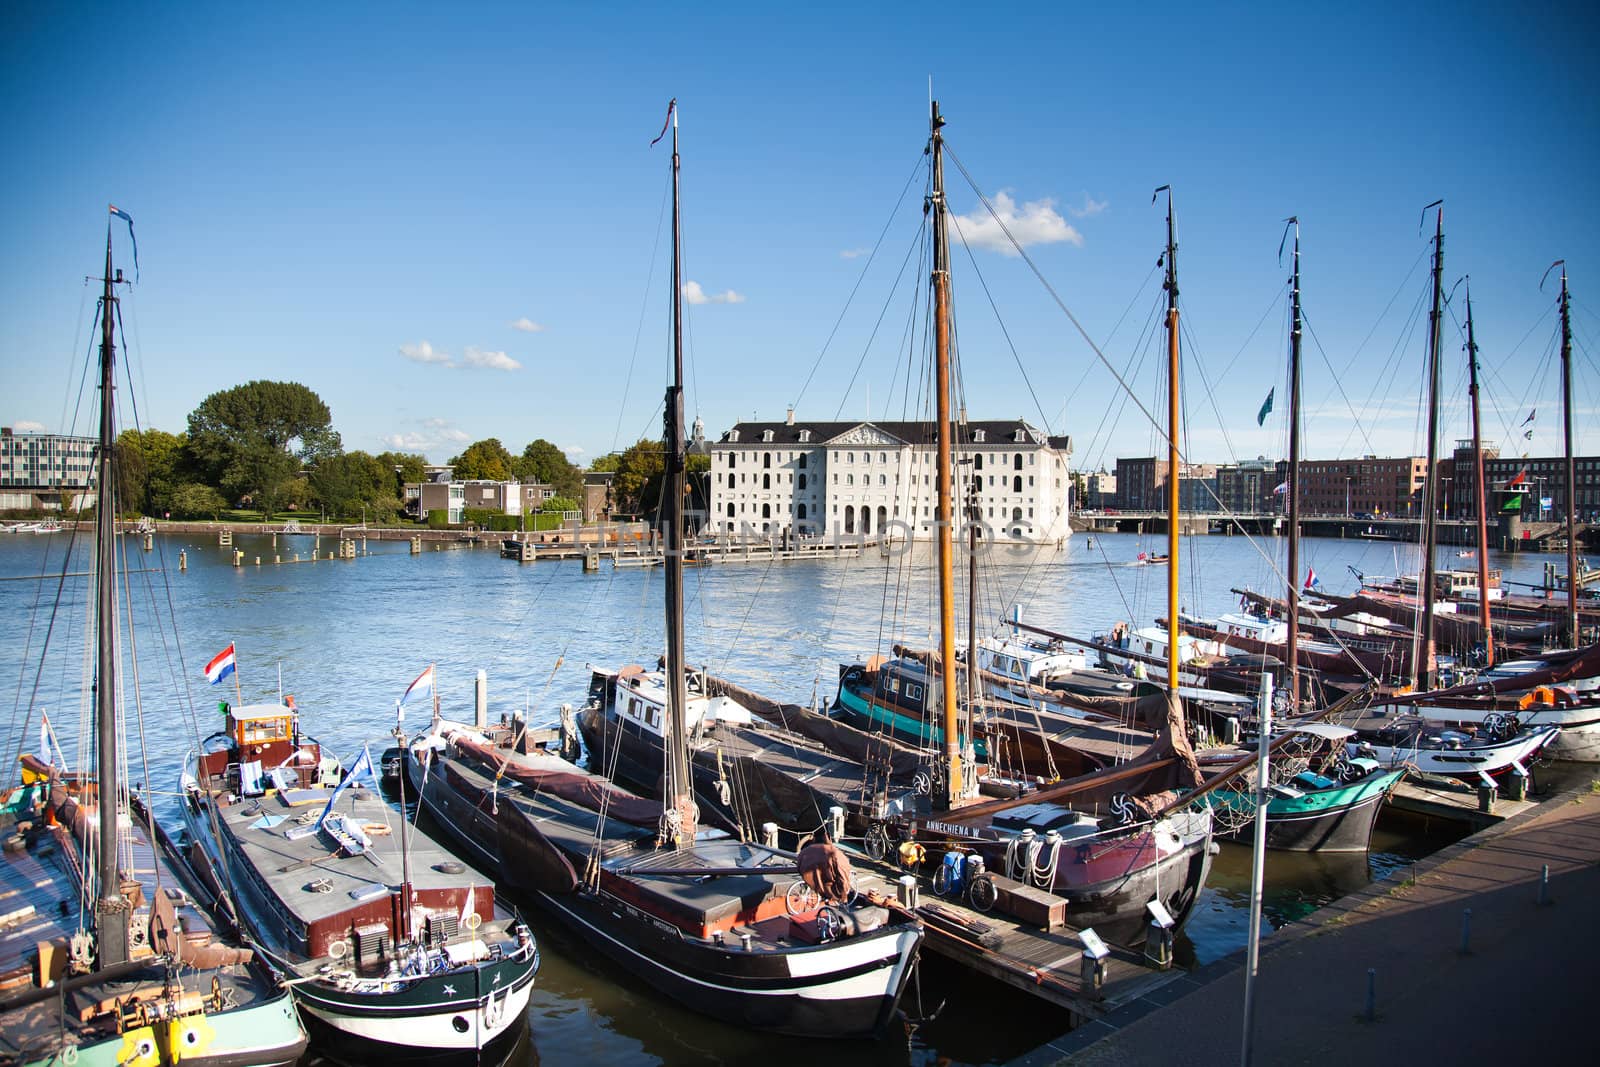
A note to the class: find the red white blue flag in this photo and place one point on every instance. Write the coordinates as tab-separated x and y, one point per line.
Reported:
422	684
220	666
1312	581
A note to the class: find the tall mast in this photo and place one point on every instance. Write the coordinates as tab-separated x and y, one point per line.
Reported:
1294	477
1483	503
111	912
1173	477
1572	467
941	366
680	788
1422	664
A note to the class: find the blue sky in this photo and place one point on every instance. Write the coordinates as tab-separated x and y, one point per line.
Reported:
372	200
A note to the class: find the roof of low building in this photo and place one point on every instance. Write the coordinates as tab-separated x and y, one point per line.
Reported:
989	432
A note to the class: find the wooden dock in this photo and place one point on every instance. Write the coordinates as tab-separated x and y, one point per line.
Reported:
1047	964
1445	798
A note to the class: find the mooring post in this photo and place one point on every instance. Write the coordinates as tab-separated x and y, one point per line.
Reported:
1371	1014
1466	931
1544	885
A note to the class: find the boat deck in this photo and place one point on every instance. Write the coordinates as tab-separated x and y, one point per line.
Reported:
309	874
1044	963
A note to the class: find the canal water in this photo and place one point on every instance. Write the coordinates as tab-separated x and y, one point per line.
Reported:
345	637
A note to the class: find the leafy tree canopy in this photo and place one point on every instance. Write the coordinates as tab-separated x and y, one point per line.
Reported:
483	459
251	439
195	501
544	462
346	484
560	503
151	464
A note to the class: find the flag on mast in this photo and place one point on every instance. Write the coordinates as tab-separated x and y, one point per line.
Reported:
1266	407
221	665
423	683
1312	581
1521	478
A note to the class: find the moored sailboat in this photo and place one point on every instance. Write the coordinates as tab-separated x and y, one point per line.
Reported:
744	932
104	958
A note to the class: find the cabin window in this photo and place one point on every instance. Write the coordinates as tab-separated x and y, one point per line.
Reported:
913	691
652	715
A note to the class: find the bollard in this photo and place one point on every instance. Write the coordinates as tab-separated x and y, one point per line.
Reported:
1486	793
238	558
1517	784
1544	885
258	561
1092	964
149	541
1466	931
183	559
1371	1014
277	558
769	834
836	822
906	892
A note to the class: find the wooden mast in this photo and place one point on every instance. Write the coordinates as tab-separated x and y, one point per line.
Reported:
1294	478
1174	708
1483	503
1572	467
1422	665
111	909
940	279
680	787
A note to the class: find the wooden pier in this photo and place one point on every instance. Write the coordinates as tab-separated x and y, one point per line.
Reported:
1045	963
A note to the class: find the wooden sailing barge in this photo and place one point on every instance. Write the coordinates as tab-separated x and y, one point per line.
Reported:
104	958
725	926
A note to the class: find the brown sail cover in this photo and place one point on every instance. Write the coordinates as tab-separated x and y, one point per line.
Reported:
593	794
528	861
826	870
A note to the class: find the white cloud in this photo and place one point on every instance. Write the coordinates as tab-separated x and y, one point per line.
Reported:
854	253
573	451
696	295
435	434
477	357
527	325
28	426
423	352
1090	208
1037	222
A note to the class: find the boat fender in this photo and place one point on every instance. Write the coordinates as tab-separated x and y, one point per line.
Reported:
912	855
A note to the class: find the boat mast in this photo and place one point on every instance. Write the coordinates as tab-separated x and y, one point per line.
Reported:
1572	467
941	331
1174	708
1294	478
111	909
1483	503
680	788
1422	661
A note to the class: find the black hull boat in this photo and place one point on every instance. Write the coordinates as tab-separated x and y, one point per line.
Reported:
710	924
392	952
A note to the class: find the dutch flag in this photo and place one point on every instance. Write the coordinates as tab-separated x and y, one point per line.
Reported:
422	684
1312	582
221	666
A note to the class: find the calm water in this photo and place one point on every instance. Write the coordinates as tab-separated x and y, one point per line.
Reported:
346	637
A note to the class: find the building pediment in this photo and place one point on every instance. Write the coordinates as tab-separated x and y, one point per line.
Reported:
867	435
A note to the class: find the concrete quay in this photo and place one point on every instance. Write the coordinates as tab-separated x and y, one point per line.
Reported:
1507	984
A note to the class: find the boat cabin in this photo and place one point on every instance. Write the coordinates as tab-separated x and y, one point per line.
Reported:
639	699
1031	661
260	747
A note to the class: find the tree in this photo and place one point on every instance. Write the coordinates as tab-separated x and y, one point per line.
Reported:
558	504
151	465
544	462
636	487
195	501
486	459
346	483
251	439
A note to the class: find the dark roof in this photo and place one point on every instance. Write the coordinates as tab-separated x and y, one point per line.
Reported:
598	477
995	432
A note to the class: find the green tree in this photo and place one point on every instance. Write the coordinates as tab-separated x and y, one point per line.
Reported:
543	462
195	501
487	459
558	504
637	485
151	465
252	439
347	483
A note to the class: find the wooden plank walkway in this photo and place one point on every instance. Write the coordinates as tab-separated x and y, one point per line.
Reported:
1043	963
1446	798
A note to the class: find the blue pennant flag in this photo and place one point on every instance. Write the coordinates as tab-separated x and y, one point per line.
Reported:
1266	407
125	217
360	771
